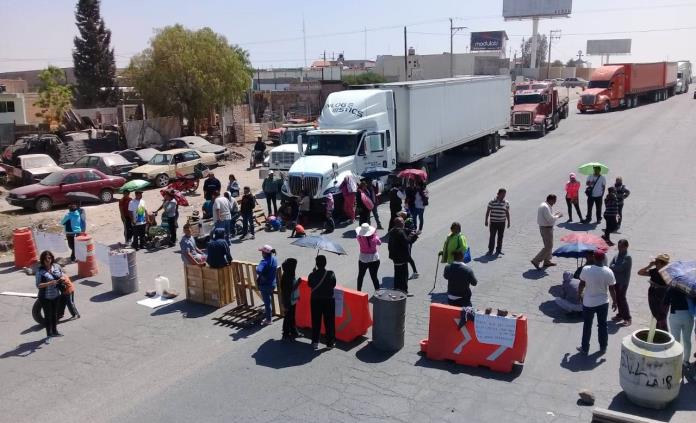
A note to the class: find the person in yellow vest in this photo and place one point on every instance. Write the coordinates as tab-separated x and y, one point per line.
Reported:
455	241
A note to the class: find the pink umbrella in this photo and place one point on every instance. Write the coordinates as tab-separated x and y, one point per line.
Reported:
178	196
586	238
413	174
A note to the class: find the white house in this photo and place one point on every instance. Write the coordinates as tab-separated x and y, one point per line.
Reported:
12	108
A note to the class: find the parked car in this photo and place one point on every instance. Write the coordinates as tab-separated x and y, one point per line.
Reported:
165	165
198	144
30	168
575	83
108	163
139	157
52	189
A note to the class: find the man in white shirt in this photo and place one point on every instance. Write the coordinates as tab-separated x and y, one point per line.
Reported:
595	281
138	215
595	185
546	219
222	213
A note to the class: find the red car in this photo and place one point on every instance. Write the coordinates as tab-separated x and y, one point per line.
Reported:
53	188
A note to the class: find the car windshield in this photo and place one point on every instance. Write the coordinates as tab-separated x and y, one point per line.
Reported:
290	137
115	160
340	145
521	87
528	99
34	162
598	84
147	153
54	179
160	159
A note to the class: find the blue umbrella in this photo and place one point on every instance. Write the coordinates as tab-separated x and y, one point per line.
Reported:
574	250
682	275
319	242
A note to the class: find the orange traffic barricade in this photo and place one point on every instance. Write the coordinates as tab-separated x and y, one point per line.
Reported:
89	266
353	317
24	248
507	339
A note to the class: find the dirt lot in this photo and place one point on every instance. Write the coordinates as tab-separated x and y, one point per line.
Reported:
103	221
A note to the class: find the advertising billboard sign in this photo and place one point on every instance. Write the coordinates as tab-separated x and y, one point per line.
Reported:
522	9
602	47
488	41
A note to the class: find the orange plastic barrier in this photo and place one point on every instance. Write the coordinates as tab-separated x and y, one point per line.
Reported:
447	342
88	267
355	320
24	248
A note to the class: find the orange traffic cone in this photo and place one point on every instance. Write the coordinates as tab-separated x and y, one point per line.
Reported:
24	248
89	266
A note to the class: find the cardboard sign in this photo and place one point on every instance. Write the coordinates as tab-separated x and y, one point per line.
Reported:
118	265
496	330
81	251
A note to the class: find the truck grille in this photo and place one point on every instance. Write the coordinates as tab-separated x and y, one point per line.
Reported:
282	160
587	99
309	184
524	118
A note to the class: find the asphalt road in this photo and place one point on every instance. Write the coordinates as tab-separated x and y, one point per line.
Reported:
124	362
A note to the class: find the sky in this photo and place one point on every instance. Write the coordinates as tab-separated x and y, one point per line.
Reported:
37	33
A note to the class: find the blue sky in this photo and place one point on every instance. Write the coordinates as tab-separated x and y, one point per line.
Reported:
39	32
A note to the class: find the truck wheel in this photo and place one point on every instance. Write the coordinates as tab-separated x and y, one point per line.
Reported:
542	133
582	111
43	204
606	107
486	146
554	122
162	180
497	141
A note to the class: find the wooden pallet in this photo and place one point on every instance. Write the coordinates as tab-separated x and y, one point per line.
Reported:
209	286
246	290
259	215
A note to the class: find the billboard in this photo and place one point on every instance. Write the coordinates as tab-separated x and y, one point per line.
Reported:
601	47
488	41
520	9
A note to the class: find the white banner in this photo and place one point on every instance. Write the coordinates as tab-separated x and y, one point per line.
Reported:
118	265
496	330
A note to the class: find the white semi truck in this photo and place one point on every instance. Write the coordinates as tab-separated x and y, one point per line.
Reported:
683	77
383	127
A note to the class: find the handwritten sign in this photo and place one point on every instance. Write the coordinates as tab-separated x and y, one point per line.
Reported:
118	265
49	241
496	330
81	251
41	241
338	298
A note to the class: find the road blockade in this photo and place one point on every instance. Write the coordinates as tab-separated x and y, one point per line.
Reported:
88	266
24	249
495	342
353	317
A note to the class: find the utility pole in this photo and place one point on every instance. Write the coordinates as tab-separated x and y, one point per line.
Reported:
405	55
304	41
365	51
554	34
453	30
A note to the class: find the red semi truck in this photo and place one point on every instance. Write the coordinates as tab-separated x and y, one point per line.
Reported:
623	84
538	107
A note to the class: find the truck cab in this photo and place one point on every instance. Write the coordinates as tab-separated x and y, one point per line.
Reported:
605	91
537	107
289	150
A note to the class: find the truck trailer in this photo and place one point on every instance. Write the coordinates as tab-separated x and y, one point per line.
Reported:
380	128
624	84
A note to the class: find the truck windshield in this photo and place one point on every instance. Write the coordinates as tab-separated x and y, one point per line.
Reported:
598	84
680	75
290	137
341	145
528	99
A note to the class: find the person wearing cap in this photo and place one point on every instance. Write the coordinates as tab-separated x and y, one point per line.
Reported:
368	243
595	281
572	190
621	266
270	191
125	218
546	219
594	189
218	250
266	272
138	215
211	185
322	304
657	290
611	215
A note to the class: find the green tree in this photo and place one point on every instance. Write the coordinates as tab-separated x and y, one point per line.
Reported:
189	73
95	68
55	95
363	78
542	48
557	63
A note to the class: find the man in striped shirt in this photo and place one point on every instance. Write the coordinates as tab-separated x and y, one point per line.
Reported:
497	214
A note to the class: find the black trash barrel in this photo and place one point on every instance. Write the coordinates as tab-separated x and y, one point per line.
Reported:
129	283
389	316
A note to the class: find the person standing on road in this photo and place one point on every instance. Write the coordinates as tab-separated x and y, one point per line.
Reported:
460	278
71	224
363	204
138	214
497	214
399	244
622	193
67	298
222	214
546	220
125	216
329	225
266	274
621	266
572	190
412	235
368	241
454	242
246	209
170	216
611	215
290	290
348	189
657	290
233	186
211	185
373	193
681	322
48	276
594	189
270	191
323	306
417	203
595	281
396	201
